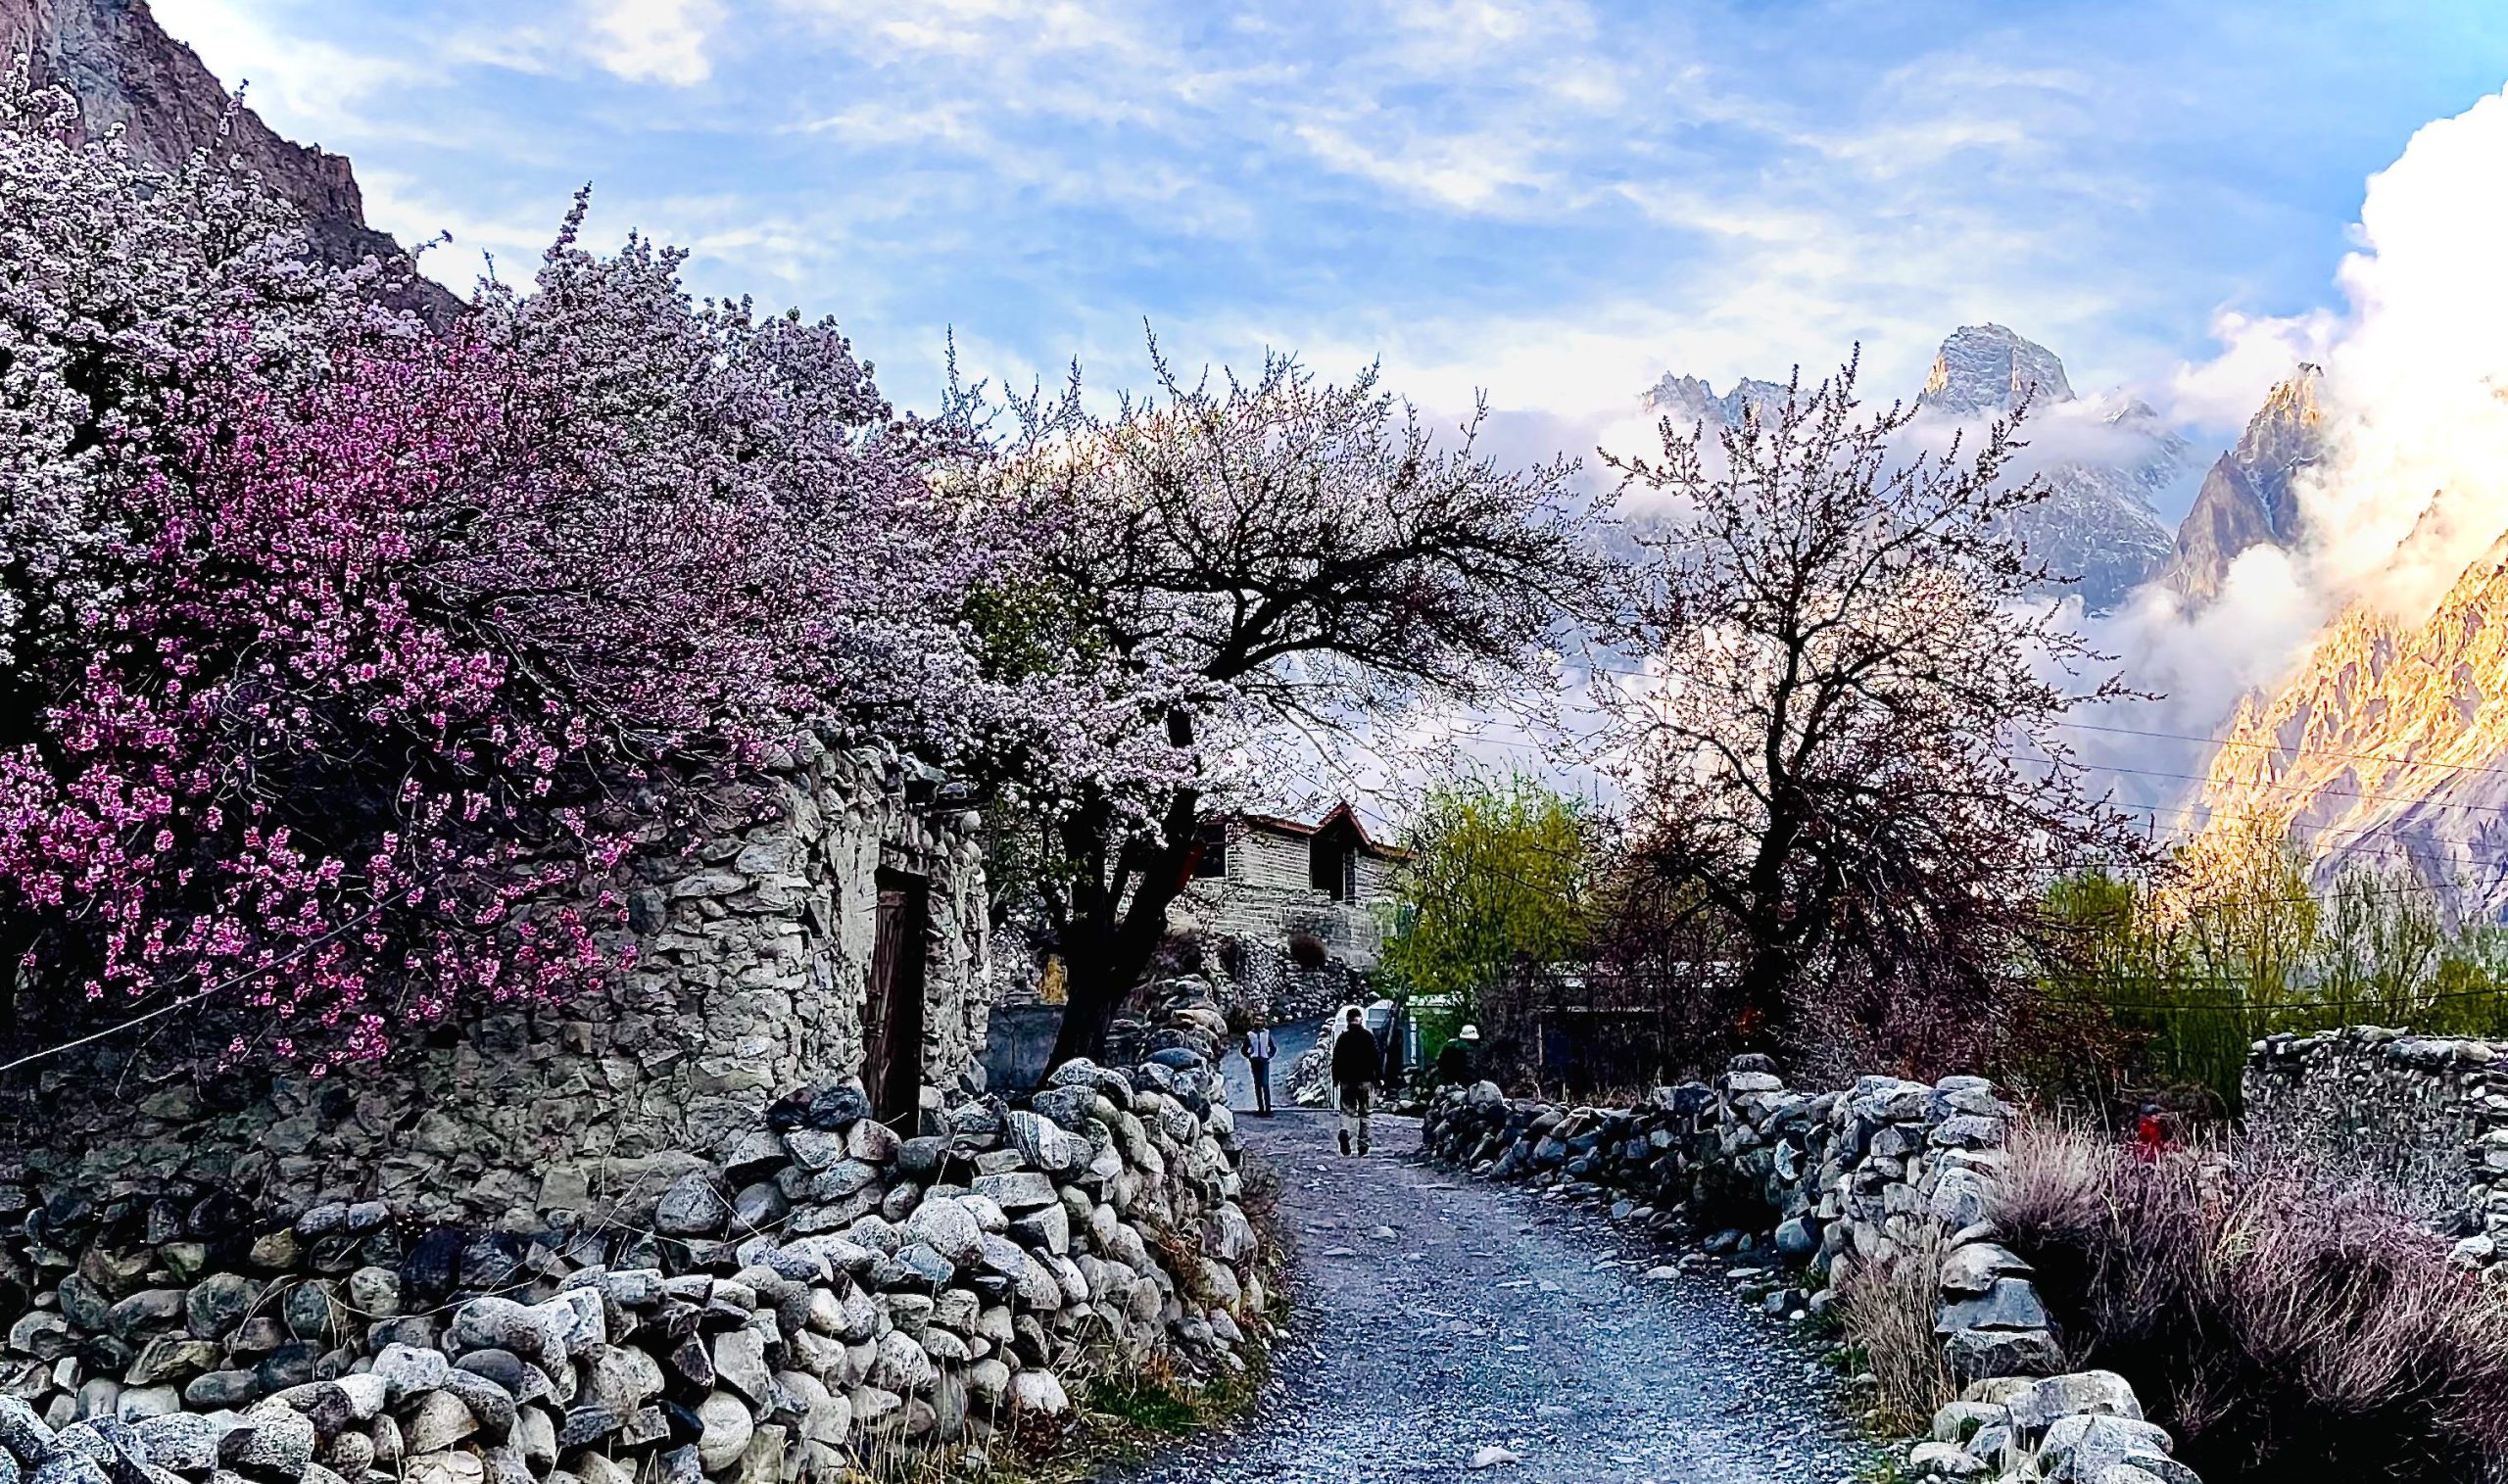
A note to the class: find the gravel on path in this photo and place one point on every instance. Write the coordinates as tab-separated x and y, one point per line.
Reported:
1451	1329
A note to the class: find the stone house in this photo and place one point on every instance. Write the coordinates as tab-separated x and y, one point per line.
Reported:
1266	879
835	933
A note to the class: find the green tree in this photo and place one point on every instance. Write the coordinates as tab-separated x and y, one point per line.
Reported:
1501	873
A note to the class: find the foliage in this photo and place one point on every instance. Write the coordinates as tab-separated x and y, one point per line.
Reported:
1234	570
1847	750
1498	873
1501	875
2279	1326
352	657
2164	981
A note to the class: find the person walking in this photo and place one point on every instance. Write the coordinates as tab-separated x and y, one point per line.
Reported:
1260	1048
1357	1066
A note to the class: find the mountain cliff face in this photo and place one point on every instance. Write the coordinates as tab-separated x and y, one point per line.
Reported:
1688	400
125	72
1989	369
2246	499
2386	746
2097	523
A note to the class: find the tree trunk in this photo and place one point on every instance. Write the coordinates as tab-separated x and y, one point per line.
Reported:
1114	937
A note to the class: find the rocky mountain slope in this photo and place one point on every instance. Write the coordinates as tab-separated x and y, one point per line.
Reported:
2098	523
2247	500
125	72
2390	745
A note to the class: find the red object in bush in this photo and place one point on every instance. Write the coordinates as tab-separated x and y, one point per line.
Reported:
2150	1139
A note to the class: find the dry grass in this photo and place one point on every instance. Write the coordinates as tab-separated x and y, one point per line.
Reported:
2280	1328
1888	1317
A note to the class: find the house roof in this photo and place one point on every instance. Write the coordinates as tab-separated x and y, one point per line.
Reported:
1339	815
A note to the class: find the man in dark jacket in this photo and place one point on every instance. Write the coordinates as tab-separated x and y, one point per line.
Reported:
1357	1066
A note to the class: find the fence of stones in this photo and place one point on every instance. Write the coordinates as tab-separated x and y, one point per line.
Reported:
2425	1119
824	1292
1834	1184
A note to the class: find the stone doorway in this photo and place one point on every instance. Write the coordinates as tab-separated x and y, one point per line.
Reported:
893	1010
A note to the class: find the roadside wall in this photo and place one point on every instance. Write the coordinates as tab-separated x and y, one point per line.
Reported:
2422	1119
822	1299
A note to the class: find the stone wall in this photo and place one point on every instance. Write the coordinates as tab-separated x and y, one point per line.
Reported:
754	958
1260	977
2424	1119
811	1303
1829	1184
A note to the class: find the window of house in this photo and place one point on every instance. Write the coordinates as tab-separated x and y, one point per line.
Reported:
1210	844
1333	867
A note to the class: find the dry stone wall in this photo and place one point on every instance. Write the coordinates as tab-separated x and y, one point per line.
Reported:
820	1296
2424	1119
1831	1184
754	953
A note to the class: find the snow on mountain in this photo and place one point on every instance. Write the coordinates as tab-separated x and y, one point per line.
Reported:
2103	459
1988	369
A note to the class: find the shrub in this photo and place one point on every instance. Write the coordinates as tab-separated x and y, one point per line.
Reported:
2280	1326
1889	1315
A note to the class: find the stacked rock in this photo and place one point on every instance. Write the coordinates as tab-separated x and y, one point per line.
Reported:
831	1287
1310	1083
2424	1118
2083	1428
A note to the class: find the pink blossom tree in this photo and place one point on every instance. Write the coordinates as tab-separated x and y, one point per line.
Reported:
352	656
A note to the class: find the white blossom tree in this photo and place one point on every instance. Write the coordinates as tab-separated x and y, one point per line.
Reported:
1246	564
1849	753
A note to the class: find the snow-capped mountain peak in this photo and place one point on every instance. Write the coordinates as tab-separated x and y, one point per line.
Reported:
1993	368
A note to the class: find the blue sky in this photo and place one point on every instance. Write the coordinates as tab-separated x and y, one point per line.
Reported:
1552	200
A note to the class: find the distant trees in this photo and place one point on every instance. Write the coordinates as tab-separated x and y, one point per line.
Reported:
2164	978
1243	569
1846	754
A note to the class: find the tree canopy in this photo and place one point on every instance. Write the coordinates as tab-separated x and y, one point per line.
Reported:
1256	566
1847	746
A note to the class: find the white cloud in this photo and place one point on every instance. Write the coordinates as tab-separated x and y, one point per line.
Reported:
2256	351
304	87
655	40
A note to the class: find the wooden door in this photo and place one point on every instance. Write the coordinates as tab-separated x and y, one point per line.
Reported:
893	1009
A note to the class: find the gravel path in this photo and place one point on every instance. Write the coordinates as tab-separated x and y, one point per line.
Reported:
1440	1315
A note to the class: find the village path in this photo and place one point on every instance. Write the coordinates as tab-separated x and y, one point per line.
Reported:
1437	1316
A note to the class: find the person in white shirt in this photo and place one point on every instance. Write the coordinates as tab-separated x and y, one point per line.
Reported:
1260	1048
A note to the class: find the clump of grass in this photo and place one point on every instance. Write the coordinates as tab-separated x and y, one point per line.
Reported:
2279	1326
1888	1314
1149	1403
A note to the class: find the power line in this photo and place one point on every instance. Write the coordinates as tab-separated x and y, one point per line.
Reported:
2228	741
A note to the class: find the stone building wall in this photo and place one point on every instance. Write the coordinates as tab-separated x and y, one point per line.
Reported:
2422	1119
1267	895
754	958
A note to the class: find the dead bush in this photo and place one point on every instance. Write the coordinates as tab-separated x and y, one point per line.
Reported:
2280	1328
1889	1316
